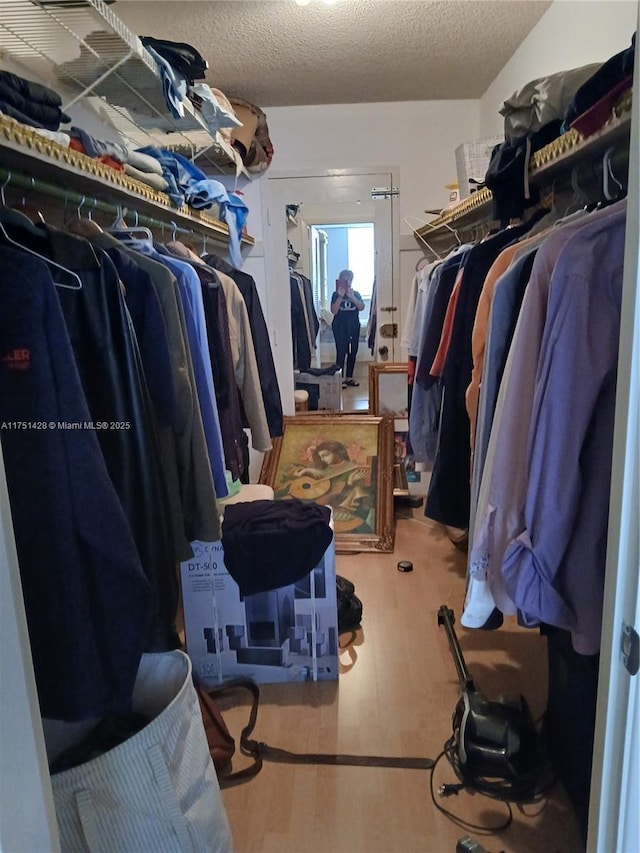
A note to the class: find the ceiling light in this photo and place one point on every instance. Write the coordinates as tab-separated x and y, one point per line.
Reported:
303	2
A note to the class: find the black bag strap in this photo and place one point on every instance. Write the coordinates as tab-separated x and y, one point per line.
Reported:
260	751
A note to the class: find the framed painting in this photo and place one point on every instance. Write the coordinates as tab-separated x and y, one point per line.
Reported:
400	462
343	461
389	396
389	389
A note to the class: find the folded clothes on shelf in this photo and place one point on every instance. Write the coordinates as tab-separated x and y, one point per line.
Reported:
93	147
30	103
156	182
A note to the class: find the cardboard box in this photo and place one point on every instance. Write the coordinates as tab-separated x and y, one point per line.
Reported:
286	634
329	389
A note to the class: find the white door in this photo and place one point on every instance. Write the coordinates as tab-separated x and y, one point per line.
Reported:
614	818
342	197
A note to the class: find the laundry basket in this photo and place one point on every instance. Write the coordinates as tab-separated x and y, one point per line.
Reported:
157	791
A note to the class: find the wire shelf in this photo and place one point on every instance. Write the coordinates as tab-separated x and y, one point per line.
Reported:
94	55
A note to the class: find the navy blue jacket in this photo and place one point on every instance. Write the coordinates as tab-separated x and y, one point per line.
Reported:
86	596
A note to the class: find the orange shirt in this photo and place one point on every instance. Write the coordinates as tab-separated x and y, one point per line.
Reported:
437	368
481	325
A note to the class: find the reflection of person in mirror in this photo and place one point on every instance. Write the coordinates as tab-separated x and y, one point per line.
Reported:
334	480
346	305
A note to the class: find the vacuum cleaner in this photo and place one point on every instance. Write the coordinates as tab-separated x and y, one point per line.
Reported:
495	748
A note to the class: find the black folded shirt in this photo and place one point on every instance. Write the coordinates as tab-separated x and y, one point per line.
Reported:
270	544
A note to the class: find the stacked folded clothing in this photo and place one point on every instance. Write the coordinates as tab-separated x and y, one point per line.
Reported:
30	103
121	157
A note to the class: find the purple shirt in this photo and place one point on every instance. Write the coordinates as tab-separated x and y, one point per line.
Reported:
501	502
554	568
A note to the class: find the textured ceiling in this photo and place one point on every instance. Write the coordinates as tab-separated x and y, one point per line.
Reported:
277	53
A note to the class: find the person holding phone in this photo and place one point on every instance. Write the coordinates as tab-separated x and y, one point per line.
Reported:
346	305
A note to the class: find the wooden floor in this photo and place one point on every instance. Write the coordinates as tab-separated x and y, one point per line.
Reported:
396	692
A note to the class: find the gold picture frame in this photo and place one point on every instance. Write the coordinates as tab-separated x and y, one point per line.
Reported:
389	397
388	391
344	461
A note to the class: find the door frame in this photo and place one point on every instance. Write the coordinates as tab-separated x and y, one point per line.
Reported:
275	258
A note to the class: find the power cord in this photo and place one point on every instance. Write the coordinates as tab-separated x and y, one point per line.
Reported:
528	789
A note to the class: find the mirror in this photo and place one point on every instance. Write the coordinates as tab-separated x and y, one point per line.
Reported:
323	240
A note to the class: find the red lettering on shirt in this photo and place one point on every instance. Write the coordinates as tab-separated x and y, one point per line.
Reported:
17	359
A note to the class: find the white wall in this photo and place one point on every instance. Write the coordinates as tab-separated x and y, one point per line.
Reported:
570	34
418	138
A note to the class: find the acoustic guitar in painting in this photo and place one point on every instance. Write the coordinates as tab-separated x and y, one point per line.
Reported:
342	487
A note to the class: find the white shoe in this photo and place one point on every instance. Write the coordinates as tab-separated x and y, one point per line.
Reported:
480	609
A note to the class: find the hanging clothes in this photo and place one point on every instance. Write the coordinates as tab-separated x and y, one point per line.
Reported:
448	499
88	601
372	322
151	334
299	327
108	360
242	352
227	397
501	500
260	335
245	365
190	295
187	441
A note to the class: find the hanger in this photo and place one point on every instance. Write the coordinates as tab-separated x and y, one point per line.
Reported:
85	227
30	210
13	217
608	177
579	197
422	263
422	240
454	232
125	233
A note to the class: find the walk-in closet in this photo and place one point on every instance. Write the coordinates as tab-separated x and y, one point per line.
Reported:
319	470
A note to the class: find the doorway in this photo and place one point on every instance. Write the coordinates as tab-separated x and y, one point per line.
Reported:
329	200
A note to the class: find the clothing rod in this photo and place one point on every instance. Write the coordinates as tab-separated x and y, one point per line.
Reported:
9	178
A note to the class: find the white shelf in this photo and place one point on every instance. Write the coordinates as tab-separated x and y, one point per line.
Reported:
93	55
25	153
554	160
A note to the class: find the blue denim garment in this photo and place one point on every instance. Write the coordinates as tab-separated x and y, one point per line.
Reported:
233	211
174	84
189	183
187	170
179	172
